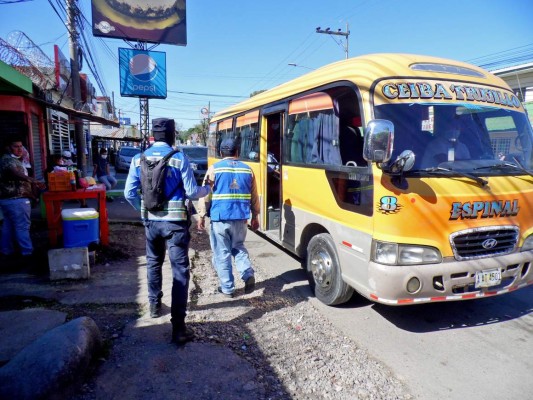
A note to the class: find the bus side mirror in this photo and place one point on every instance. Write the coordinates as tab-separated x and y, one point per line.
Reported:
379	138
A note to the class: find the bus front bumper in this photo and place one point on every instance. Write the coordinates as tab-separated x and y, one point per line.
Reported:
450	280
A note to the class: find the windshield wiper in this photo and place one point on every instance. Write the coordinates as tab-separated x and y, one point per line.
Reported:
451	172
506	165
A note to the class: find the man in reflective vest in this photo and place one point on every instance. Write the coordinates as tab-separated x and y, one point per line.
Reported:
167	229
234	200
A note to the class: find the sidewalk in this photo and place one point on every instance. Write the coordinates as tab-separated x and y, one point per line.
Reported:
45	352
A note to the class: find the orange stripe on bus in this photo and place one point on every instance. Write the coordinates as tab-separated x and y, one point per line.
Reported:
313	102
226	124
248	119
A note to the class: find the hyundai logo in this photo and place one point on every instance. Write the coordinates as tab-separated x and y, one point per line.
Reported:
489	243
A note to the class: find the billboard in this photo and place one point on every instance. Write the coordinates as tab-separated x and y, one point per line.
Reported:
142	73
156	21
62	71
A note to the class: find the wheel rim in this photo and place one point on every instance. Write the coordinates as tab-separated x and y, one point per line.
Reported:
321	264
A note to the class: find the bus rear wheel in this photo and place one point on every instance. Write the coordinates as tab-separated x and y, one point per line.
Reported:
324	272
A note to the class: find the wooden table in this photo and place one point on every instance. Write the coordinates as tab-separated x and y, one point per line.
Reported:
53	200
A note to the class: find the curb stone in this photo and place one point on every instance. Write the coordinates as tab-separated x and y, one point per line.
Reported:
50	365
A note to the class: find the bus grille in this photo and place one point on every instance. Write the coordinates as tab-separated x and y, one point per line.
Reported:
484	242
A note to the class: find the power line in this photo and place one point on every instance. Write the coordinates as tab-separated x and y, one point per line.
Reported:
275	72
505	58
208	94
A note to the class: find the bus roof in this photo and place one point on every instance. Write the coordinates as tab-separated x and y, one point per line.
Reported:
365	70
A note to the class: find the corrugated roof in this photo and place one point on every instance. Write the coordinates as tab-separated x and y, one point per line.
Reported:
122	133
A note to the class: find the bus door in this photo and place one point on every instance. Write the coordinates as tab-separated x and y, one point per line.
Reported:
274	129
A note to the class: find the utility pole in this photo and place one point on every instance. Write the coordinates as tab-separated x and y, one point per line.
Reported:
144	109
113	104
339	33
72	11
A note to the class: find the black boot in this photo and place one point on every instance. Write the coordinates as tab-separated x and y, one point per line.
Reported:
181	334
155	309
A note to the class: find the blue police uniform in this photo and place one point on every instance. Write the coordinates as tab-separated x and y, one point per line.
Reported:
167	229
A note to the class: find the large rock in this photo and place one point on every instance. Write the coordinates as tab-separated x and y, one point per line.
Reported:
51	364
19	328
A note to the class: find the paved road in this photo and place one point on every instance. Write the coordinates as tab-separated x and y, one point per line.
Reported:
481	349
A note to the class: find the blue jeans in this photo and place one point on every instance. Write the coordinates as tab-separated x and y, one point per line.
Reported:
227	240
109	181
16	226
173	236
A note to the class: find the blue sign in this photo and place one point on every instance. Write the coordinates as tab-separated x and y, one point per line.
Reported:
125	121
143	73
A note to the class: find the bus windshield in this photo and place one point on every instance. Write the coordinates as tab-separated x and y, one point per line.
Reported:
461	137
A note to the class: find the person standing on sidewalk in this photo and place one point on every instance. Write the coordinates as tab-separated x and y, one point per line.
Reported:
169	227
101	172
17	190
233	202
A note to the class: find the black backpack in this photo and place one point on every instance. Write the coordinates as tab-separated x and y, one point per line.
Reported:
153	181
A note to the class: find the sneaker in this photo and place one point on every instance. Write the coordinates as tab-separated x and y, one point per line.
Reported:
155	309
182	335
249	285
229	295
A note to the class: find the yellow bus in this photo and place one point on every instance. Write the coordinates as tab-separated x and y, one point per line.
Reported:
405	178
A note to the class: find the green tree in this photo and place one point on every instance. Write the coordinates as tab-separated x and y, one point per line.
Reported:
198	133
257	92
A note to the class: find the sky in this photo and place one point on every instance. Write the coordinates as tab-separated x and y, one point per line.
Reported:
240	46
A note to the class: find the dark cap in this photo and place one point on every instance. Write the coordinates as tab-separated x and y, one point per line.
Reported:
164	125
228	146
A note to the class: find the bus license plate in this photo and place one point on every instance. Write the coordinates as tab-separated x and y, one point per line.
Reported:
489	278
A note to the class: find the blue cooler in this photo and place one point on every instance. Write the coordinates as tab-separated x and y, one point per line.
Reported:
80	227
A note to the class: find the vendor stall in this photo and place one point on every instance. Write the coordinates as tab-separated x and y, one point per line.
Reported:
54	199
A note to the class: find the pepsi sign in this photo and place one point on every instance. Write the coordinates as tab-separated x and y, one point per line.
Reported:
142	73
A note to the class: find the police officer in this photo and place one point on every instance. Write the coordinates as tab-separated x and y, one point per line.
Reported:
167	228
234	201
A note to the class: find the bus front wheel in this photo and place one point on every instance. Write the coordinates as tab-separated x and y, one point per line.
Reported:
324	272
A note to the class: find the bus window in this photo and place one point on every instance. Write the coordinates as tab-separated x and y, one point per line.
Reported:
224	131
247	132
212	140
312	136
325	130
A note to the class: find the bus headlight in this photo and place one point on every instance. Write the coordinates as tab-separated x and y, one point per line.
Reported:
528	244
404	254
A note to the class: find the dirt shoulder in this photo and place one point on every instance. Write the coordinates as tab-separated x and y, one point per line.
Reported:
270	344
